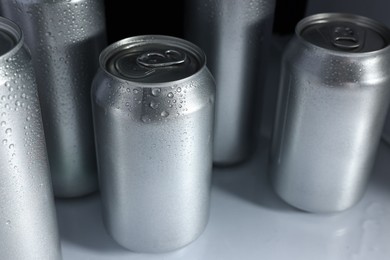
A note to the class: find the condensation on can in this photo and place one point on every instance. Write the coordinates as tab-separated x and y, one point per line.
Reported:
153	111
65	39
28	223
333	99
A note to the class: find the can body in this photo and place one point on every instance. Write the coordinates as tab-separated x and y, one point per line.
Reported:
235	36
65	38
333	97
386	129
153	111
28	224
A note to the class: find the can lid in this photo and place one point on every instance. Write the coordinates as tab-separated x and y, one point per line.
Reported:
152	59
9	35
344	32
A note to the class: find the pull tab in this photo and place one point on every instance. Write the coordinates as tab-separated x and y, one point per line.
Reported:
161	59
344	37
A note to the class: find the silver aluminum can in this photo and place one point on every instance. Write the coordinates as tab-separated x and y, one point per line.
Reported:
153	111
65	38
333	99
235	36
28	224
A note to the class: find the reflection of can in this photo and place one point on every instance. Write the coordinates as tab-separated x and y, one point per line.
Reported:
153	107
65	38
235	36
28	224
333	99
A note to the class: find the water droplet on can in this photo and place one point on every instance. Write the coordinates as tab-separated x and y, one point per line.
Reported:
156	92
145	119
153	105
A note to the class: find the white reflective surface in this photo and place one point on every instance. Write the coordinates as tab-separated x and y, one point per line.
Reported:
248	221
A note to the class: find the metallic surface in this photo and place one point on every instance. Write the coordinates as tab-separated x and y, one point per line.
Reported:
235	36
154	143
331	109
28	224
343	32
65	38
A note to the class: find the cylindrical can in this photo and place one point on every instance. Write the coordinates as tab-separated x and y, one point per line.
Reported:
28	223
153	111
235	36
386	129
332	103
65	38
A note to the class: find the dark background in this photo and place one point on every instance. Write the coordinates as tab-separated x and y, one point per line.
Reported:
125	19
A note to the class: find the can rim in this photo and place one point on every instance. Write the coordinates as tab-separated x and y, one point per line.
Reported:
15	30
378	26
150	38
